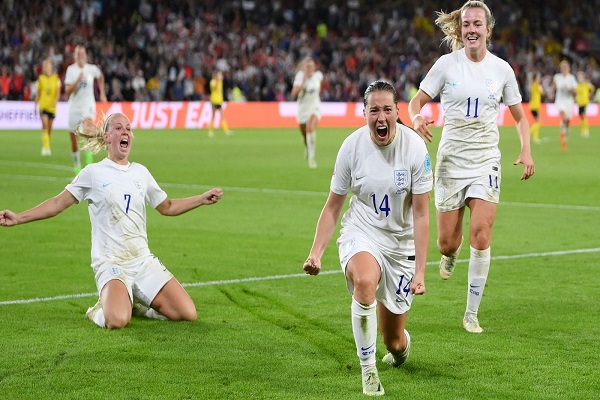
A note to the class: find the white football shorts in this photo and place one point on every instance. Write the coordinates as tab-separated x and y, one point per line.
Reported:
566	107
143	277
304	113
451	193
393	290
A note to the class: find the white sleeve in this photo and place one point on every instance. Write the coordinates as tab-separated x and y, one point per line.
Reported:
511	94
342	174
422	174
154	195
70	76
299	78
96	72
435	79
81	186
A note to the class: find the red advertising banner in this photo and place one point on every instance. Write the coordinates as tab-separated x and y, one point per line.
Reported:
197	114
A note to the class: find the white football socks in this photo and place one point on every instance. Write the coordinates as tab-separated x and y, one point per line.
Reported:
479	267
98	318
364	328
311	145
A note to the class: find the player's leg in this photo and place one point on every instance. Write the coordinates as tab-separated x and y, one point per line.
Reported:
45	134
535	127
395	336
50	127
303	132
564	129
363	274
311	140
224	125
161	295
174	302
483	214
113	309
585	127
73	123
116	304
211	127
88	156
450	237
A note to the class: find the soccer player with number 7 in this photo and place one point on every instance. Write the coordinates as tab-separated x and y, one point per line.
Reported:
471	82
130	279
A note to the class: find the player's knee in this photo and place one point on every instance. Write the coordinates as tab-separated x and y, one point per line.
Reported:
189	314
447	246
395	344
117	321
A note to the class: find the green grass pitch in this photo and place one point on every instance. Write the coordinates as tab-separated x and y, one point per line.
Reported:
267	331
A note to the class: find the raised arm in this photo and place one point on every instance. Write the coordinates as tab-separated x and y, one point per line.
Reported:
47	209
172	207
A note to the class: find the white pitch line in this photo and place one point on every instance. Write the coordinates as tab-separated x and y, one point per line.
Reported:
300	275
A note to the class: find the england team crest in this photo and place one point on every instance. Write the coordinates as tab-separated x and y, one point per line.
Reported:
401	178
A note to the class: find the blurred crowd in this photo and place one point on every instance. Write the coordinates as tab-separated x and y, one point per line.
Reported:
151	50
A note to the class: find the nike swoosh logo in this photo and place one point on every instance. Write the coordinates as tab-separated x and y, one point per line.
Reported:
106	184
454	84
474	286
367	348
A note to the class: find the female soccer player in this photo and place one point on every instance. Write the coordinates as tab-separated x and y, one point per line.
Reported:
385	232
216	100
564	87
470	81
117	192
79	86
584	91
46	98
535	102
307	89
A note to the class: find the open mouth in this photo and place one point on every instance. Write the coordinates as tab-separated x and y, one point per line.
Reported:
382	131
124	143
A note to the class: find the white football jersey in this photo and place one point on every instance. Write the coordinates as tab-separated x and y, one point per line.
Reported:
470	94
309	97
117	196
382	181
82	100
565	86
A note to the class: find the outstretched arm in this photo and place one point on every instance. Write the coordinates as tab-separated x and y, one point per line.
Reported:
47	209
325	227
172	207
